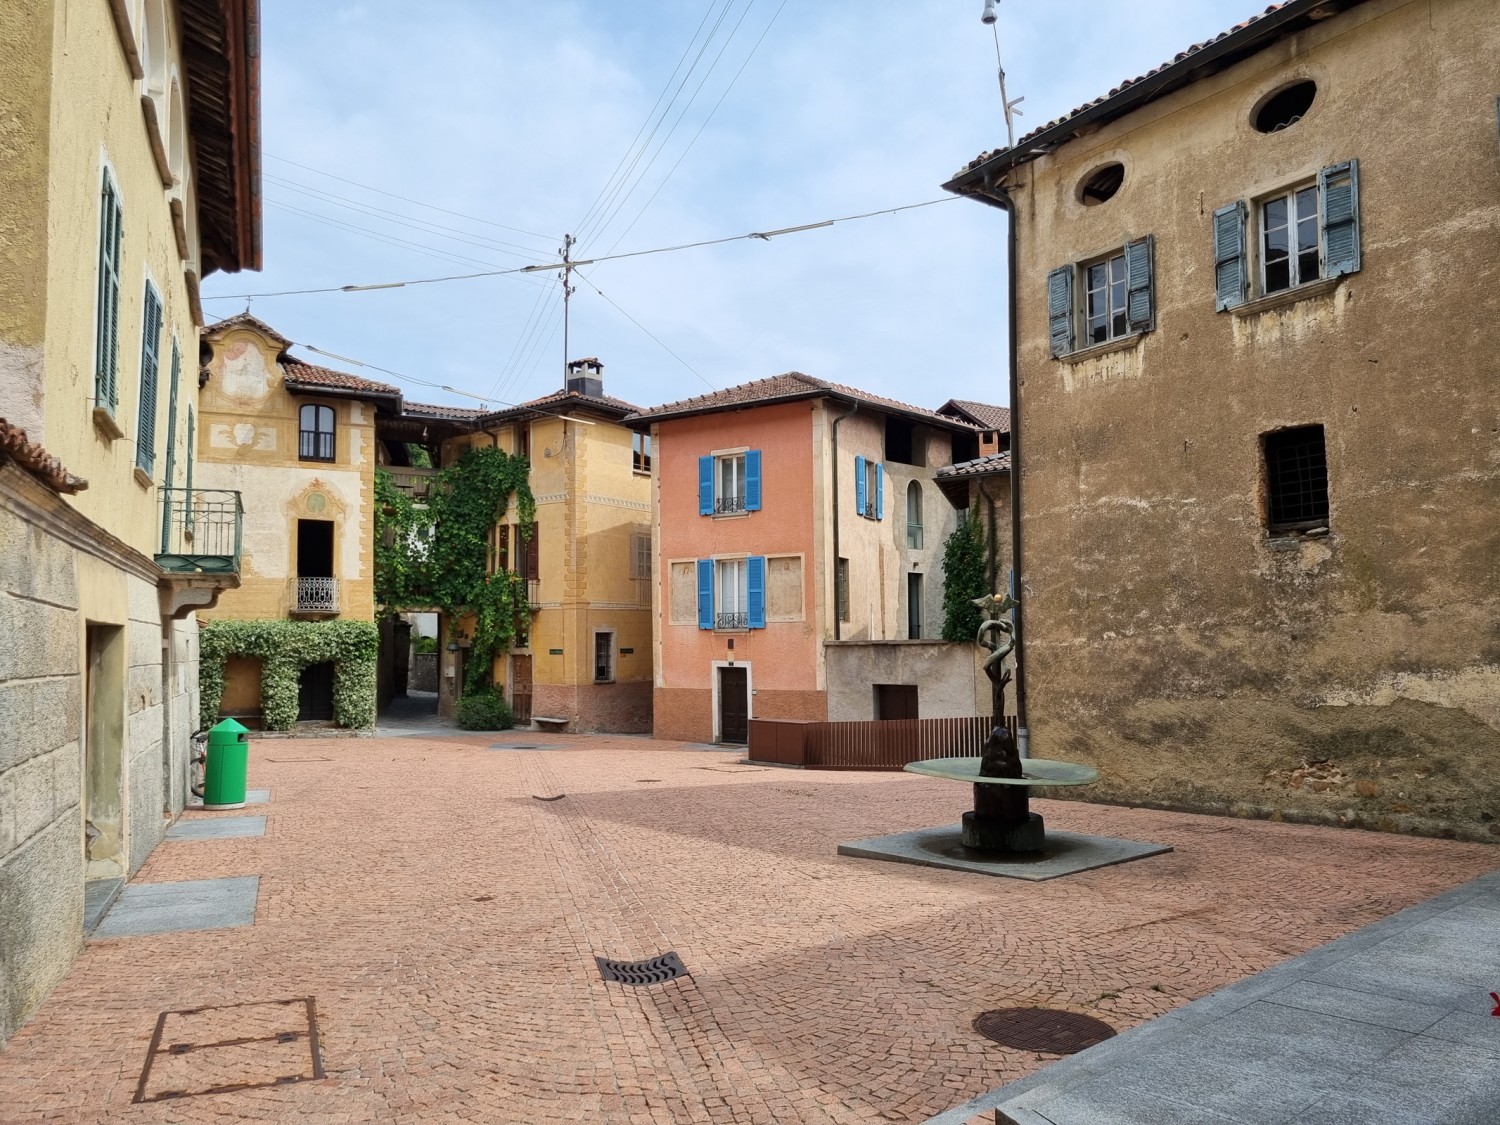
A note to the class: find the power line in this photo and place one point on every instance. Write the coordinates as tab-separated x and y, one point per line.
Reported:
764	235
407	199
653	335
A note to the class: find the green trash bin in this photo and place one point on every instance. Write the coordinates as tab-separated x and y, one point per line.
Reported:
224	771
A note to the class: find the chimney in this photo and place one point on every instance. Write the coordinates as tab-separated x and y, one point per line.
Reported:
586	377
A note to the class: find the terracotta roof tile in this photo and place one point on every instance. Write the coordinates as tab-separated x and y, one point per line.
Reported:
245	320
37	461
788	387
311	376
980	466
982	414
441	410
556	397
1122	87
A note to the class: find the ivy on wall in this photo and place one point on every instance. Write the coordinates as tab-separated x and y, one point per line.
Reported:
438	556
965	578
284	648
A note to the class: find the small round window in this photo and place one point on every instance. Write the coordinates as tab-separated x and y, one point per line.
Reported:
1285	108
1101	184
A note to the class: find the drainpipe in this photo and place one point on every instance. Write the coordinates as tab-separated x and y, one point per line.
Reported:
995	195
838	631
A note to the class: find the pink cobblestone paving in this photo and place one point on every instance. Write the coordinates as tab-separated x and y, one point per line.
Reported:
446	922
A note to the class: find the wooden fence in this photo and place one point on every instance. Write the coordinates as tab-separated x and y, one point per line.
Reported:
882	744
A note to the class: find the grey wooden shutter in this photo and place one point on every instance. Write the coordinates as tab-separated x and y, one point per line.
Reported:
1060	310
1338	203
1140	298
1231	273
107	329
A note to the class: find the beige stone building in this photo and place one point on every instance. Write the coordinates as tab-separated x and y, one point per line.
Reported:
128	172
300	443
583	656
1257	423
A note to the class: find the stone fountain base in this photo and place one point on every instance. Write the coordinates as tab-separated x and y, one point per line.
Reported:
996	834
1062	853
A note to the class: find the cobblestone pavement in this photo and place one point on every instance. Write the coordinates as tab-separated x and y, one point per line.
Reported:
446	921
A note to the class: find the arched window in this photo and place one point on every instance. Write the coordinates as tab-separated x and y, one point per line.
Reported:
315	440
914	516
176	134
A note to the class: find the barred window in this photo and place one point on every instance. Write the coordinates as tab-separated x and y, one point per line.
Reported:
1296	467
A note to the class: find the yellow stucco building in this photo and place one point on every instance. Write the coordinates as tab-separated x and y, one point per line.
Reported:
129	170
584	657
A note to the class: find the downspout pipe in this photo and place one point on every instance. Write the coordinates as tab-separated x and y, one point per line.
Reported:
838	628
995	195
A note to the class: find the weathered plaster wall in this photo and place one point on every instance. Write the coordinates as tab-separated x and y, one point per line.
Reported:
947	676
1195	659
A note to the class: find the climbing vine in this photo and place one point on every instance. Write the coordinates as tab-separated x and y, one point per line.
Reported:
964	579
438	556
284	648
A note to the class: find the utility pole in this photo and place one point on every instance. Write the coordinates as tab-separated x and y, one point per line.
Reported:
568	287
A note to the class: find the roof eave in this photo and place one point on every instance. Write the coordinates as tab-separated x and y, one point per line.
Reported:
646	418
1197	65
298	387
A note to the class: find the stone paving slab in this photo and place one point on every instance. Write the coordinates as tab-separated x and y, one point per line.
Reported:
217	828
191	904
446	924
1066	853
98	896
1390	1023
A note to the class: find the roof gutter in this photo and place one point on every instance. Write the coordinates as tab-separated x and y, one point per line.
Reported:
1190	68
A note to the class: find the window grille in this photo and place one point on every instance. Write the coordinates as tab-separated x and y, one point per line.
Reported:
1296	466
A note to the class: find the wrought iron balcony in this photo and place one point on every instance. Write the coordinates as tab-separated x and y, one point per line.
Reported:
315	595
725	504
200	531
731	621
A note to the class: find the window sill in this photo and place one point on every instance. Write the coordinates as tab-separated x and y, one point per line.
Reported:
1292	538
728	515
730	632
1120	344
105	423
143	478
1287	297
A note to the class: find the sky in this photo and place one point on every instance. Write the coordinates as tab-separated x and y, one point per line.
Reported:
405	141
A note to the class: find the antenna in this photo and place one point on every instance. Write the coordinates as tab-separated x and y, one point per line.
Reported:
991	18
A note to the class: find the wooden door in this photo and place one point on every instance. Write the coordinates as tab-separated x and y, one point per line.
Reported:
896	701
734	705
520	688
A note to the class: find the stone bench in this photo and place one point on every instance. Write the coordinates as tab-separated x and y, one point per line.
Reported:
542	722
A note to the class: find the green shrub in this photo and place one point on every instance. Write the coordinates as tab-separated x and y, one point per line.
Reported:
483	710
424	645
284	649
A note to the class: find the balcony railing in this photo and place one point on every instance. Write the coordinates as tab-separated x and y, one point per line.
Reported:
315	595
723	504
200	530
416	483
731	621
534	593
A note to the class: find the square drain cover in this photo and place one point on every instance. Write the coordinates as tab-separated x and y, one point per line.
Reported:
231	1047
657	970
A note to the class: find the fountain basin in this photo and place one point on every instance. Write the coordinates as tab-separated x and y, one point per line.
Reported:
1035	771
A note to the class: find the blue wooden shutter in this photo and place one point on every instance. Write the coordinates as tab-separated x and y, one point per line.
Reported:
705	593
705	486
755	589
859	486
1140	299
880	492
1060	309
752	480
1231	275
145	438
1338	199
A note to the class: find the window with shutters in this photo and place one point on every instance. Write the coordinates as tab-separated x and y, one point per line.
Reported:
107	310
729	482
604	658
732	593
145	439
1101	300
315	433
1296	479
914	515
640	554
869	488
1291	240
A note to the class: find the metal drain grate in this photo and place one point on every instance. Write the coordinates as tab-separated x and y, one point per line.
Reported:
657	970
1042	1029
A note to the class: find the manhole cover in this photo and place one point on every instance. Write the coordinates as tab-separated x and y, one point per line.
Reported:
217	1050
522	746
1042	1029
657	970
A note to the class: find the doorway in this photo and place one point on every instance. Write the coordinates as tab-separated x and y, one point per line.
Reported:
896	701
315	693
316	591
104	742
520	689
734	704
